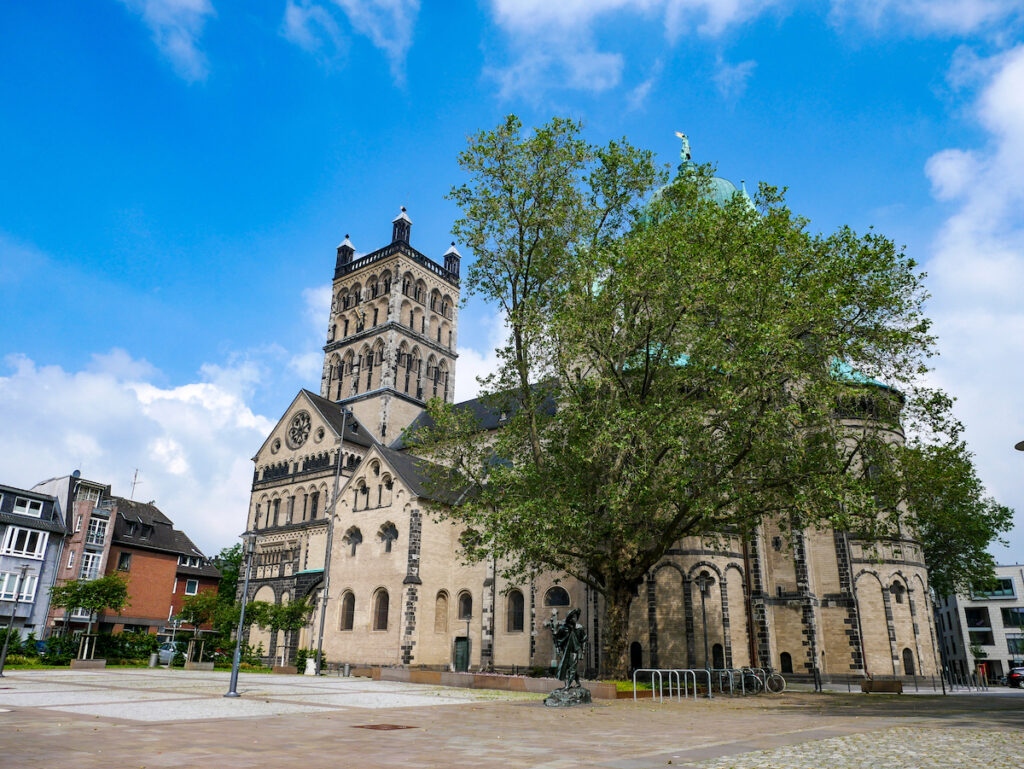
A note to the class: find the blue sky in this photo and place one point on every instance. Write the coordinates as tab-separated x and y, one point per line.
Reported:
175	176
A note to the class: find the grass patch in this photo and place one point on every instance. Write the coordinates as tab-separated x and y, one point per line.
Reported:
627	686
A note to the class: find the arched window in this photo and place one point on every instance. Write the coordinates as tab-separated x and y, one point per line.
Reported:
314	502
515	611
786	662
348	610
441	613
556	596
353	538
388	534
908	662
636	655
380	610
897	591
465	605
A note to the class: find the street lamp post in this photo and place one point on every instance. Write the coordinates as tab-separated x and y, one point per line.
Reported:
249	540
14	611
704	582
330	541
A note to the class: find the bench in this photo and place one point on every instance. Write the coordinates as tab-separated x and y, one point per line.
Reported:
886	686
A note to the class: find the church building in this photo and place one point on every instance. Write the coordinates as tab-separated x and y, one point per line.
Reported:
398	591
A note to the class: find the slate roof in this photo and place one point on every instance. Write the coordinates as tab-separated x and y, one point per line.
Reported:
162	536
31	522
332	413
487	410
416	475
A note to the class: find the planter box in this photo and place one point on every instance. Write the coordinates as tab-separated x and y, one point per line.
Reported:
393	674
486	681
285	669
602	690
199	665
88	664
462	680
641	694
541	685
425	677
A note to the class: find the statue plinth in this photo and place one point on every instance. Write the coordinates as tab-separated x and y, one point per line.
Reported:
568	698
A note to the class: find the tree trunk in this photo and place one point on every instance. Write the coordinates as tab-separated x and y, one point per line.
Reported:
618	599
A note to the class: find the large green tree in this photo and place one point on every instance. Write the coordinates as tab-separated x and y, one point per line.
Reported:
677	365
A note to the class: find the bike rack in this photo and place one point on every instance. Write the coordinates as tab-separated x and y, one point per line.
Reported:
661	683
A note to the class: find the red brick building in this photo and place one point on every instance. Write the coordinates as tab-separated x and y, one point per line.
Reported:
162	565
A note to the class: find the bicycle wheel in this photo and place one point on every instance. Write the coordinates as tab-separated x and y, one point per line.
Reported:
775	684
752	684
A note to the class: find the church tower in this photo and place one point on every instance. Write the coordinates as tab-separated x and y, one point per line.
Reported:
392	333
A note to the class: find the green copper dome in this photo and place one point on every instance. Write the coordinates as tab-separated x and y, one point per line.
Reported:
720	190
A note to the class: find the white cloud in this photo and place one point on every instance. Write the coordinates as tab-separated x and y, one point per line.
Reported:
191	443
554	44
176	26
731	79
977	275
311	27
473	363
927	16
638	96
388	24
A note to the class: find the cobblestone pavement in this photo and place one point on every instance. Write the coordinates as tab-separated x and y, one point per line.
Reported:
898	748
120	719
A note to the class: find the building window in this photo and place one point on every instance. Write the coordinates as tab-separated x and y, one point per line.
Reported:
32	507
97	531
353	538
9	583
785	662
78	524
314	501
90	565
465	605
515	611
556	596
897	591
87	494
124	561
1000	587
348	611
388	534
71	558
441	613
380	610
192	561
191	586
24	542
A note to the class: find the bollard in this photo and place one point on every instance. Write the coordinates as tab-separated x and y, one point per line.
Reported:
347	670
153	659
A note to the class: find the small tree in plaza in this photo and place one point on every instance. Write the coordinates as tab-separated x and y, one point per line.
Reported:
677	365
92	596
288	617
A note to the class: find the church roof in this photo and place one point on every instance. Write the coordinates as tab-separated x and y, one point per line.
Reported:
487	410
418	474
332	414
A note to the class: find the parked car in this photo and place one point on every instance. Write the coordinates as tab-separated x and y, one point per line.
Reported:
167	650
1016	678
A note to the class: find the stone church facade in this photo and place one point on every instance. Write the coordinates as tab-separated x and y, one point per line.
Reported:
398	592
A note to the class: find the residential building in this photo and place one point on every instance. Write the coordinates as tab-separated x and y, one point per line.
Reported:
984	631
31	538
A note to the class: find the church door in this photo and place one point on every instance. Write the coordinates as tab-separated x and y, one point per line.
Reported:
461	654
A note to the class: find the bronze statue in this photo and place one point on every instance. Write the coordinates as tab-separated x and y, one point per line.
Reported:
570	640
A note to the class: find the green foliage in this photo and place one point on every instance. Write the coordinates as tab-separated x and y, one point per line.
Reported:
126	646
674	367
106	592
277	616
301	655
199	609
60	649
952	517
13	637
229	561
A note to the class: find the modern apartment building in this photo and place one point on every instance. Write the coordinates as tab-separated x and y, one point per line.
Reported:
984	631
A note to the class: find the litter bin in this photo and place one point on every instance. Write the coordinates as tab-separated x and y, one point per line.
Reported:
153	659
347	670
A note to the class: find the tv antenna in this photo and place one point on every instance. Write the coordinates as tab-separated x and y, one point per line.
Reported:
135	482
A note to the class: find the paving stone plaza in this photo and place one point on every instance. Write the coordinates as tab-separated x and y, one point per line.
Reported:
159	718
